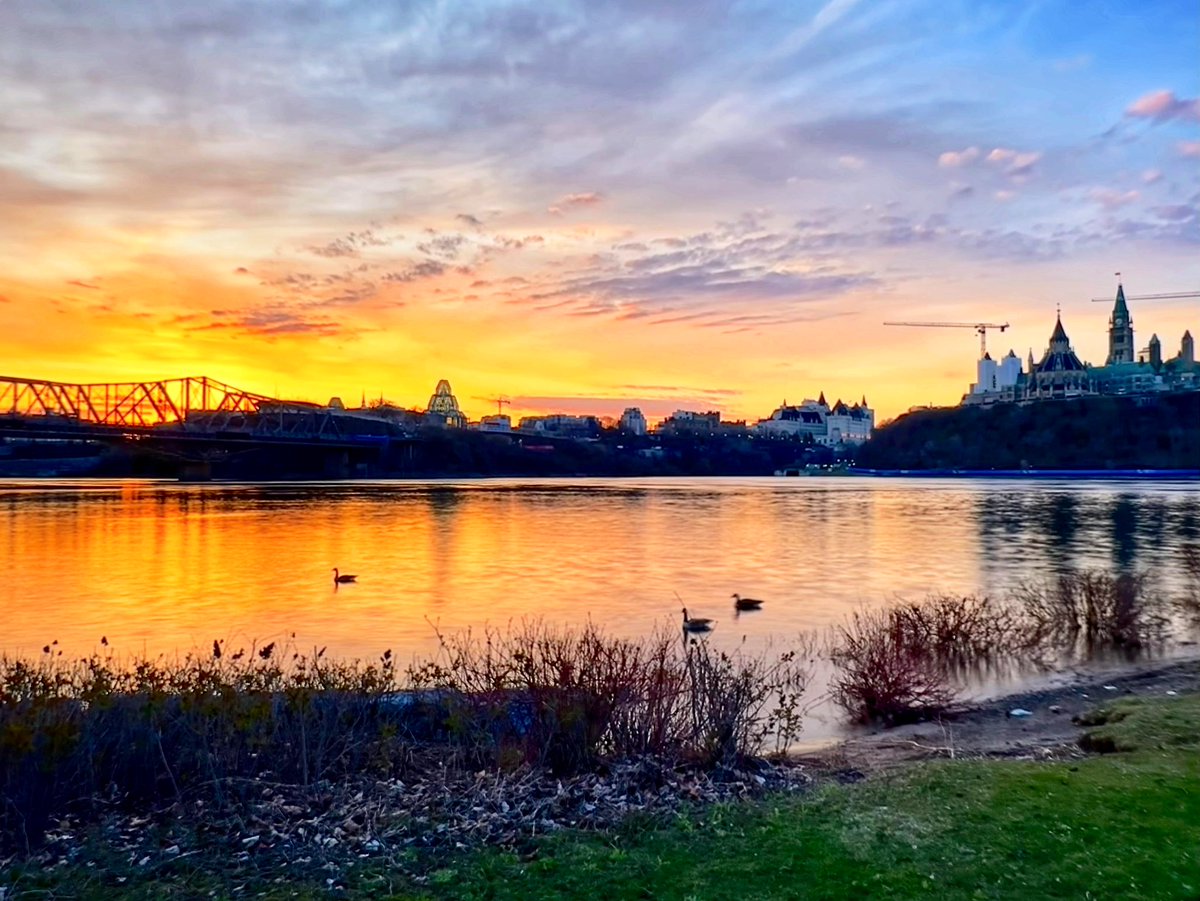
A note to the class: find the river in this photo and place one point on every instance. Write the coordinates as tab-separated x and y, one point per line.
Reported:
162	567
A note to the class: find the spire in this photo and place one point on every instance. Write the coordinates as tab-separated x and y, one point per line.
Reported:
1060	334
864	400
821	400
1120	309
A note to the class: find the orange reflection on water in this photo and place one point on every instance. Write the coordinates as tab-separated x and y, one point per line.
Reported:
161	567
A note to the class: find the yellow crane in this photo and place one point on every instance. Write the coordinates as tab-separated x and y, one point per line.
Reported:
980	327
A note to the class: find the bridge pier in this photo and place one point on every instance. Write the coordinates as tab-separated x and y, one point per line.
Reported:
337	465
196	471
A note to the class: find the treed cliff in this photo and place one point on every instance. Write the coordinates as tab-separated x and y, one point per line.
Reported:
1145	432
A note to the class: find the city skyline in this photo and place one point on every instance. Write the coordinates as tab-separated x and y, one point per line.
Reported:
692	206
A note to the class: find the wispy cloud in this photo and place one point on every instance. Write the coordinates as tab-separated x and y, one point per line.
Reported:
1162	106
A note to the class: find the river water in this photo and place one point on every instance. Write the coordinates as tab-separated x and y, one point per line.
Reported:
167	567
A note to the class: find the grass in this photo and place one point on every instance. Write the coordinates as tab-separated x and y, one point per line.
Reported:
1162	724
1113	827
1121	825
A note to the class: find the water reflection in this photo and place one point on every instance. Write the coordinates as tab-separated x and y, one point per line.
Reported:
1063	529
168	567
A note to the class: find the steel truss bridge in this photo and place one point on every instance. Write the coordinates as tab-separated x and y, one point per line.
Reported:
178	411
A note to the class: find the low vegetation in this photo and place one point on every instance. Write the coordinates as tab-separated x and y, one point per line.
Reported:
88	734
83	737
1123	825
904	662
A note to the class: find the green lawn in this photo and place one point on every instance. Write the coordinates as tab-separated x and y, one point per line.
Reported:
1123	825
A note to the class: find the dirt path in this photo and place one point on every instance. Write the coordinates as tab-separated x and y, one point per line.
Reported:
988	729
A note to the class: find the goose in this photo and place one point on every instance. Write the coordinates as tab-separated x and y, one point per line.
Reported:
338	577
696	625
742	603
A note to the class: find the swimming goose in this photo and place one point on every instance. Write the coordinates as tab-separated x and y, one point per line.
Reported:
698	624
338	577
742	603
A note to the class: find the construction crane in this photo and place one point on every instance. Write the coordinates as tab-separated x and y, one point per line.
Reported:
500	402
980	327
1178	295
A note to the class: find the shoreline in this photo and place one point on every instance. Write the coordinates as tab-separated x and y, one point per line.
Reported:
986	728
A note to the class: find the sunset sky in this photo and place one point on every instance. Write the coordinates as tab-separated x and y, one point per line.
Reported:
585	206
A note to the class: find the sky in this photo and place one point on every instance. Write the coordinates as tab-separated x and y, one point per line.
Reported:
587	206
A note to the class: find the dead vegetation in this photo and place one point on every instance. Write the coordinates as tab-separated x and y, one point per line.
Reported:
80	736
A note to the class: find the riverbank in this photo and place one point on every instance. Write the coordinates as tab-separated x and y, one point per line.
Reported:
1046	723
1013	807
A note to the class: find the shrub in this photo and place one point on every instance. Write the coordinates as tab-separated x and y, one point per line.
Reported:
76	735
566	697
957	631
884	671
75	732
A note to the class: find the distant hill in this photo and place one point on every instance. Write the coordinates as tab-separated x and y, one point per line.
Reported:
1144	432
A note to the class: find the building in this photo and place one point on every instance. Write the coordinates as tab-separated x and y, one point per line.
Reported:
563	425
443	407
633	422
496	422
996	381
691	422
1060	373
825	425
1120	331
1125	372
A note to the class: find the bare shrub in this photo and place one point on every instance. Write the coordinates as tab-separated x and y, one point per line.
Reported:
565	697
737	702
1093	608
885	671
74	732
957	630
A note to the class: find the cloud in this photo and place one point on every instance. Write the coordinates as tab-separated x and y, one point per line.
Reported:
952	159
1111	199
1014	163
1190	149
1180	212
853	163
1150	176
572	201
78	284
421	270
349	245
271	320
1162	106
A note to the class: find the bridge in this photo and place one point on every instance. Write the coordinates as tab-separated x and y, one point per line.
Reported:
196	418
